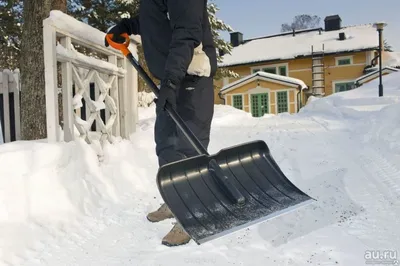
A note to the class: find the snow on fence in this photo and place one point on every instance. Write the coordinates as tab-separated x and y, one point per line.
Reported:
99	86
9	106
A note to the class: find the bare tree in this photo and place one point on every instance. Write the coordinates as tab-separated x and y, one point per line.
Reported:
301	22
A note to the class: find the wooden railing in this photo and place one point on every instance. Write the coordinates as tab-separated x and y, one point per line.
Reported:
98	85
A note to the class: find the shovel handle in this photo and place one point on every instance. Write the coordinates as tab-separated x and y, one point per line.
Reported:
123	47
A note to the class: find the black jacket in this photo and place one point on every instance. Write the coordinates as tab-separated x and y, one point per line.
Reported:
170	30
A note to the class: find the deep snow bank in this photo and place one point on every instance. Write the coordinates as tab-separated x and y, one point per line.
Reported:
56	184
357	102
53	182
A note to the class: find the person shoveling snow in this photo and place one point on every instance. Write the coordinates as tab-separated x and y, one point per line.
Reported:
209	195
179	50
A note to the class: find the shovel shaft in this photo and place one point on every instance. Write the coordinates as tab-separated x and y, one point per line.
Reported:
174	115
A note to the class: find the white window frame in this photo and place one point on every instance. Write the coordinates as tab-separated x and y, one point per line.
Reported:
271	66
344	58
339	81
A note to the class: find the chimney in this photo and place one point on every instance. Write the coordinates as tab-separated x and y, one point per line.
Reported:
333	23
342	36
236	38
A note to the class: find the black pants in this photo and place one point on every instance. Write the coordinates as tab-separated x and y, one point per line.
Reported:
195	104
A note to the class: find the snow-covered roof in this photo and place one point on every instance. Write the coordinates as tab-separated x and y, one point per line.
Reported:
374	74
286	46
265	76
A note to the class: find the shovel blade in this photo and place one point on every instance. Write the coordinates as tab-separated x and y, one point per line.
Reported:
199	204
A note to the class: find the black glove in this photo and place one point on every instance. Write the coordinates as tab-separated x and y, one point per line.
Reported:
117	30
167	93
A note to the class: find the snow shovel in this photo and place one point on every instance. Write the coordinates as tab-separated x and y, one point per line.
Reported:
214	195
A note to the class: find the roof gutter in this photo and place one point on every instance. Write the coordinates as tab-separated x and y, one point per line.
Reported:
222	98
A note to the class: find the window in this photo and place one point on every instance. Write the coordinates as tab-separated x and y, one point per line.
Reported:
282	101
259	104
270	70
279	69
237	101
282	70
343	86
342	61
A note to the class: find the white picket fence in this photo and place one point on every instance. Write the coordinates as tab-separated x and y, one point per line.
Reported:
100	98
9	106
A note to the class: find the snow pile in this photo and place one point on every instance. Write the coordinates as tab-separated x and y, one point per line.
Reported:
392	59
60	206
49	182
358	101
145	99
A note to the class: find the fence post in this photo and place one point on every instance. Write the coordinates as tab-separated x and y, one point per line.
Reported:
66	70
50	62
132	93
6	107
17	110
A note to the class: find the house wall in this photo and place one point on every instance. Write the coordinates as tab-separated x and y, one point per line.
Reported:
301	69
261	86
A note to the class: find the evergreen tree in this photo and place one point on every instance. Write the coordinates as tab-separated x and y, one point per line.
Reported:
387	47
10	33
217	26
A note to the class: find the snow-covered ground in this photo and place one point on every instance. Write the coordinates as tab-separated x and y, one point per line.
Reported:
60	206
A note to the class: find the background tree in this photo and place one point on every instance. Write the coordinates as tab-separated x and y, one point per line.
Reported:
10	33
218	26
302	22
387	47
33	101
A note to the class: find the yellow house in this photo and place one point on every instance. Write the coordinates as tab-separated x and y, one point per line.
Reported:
263	92
326	60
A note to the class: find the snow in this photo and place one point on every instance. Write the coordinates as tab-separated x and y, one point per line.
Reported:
72	54
81	30
60	206
288	47
392	59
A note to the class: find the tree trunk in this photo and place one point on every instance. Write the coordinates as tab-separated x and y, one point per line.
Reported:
59	5
33	101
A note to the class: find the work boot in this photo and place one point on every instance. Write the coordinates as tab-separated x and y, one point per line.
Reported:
177	236
161	214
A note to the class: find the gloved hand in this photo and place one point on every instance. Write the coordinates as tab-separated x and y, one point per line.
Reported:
117	31
167	93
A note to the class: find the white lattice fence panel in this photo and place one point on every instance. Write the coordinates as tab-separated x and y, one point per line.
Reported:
103	101
113	78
